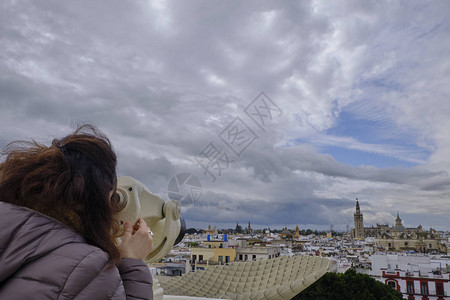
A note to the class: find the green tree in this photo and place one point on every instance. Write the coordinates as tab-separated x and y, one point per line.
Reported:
348	286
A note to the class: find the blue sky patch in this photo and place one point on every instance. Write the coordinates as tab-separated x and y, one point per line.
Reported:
377	142
357	158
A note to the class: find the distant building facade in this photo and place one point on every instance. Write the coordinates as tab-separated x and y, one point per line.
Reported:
416	277
398	237
256	253
286	234
213	255
214	251
212	231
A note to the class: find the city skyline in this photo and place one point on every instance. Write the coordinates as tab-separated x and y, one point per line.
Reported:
338	100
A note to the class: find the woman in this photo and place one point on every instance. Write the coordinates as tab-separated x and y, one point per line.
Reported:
58	236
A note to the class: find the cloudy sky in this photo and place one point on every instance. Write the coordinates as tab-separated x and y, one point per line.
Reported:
356	101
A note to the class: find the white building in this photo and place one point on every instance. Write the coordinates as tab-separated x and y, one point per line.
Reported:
256	253
416	277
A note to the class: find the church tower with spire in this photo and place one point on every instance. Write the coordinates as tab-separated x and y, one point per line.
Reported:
359	225
398	221
398	224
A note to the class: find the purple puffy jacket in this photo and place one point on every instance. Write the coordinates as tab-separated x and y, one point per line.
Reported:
41	258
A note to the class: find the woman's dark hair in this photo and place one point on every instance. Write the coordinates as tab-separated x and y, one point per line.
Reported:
70	181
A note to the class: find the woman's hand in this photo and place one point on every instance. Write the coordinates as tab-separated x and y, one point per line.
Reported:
136	241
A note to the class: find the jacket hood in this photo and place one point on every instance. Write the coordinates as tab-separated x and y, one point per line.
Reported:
26	235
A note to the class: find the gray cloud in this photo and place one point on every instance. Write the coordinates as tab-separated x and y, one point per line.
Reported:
163	79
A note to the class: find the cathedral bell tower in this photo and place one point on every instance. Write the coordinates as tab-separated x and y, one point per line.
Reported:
398	221
359	225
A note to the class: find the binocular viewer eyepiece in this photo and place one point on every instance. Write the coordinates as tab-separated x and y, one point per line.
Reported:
164	218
